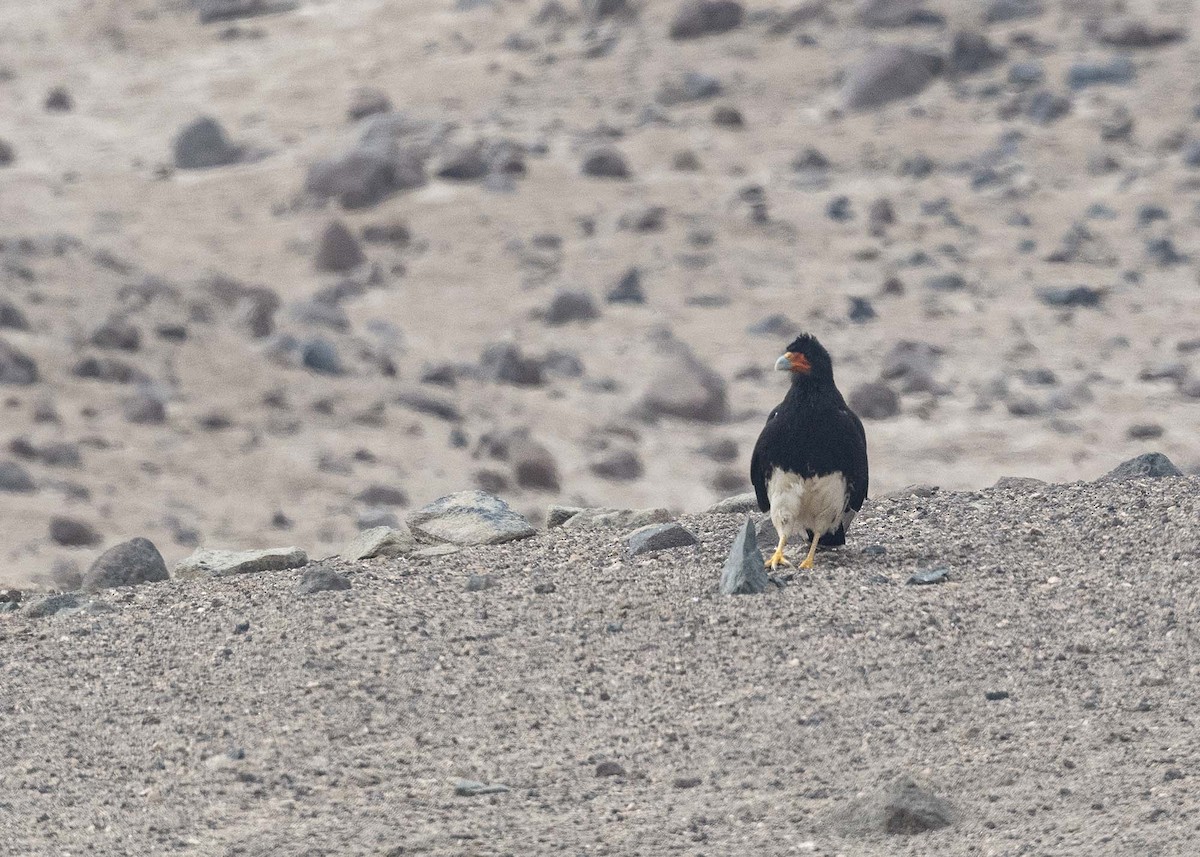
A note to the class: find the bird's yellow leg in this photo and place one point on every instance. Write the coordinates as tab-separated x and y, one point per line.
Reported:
777	559
812	551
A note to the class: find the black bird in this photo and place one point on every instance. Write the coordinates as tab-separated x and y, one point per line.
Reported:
809	466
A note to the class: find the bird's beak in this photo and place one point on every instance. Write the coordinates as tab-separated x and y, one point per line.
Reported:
793	361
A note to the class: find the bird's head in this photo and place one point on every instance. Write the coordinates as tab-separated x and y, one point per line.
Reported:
806	359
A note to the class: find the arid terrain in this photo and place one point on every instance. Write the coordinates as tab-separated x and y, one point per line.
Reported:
1010	250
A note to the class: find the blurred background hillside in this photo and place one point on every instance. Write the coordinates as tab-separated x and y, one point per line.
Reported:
275	270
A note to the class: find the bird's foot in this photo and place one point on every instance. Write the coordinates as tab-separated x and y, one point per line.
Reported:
807	563
777	559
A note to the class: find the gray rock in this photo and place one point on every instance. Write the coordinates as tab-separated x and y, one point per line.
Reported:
727	116
130	563
628	289
688	87
1133	33
744	572
557	515
109	370
607	517
1118	70
874	400
7	153
15	478
1072	297
202	144
338	250
375	516
738	504
568	306
972	53
952	282
472	788
686	389
900	807
321	355
696	18
316	580
462	164
1026	74
73	532
886	74
861	310
382	495
505	362
618	465
998	11
912	365
1150	465
11	316
1045	107
533	465
51	604
1019	483
222	563
366	175
367	101
380	541
213	11
144	408
605	162
610	769
929	576
117	334
16	367
657	537
469	518
896	13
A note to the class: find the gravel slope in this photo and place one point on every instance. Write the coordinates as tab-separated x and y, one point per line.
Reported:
236	717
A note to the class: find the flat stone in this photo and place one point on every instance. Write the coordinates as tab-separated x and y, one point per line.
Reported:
222	563
929	576
625	518
473	788
1150	465
657	537
469	518
736	505
434	551
130	563
744	572
380	541
1019	483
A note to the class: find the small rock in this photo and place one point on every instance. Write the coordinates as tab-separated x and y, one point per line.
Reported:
619	465
657	537
320	355
952	282
469	518
1150	465
73	533
463	164
1019	483
874	400
15	478
533	465
972	53
7	153
628	289
223	563
688	87
382	495
16	367
997	11
726	116
51	604
366	101
720	449
929	576
1026	74
109	370
1074	296
338	250
568	306
117	334
316	580
1045	107
1132	33
738	504
605	162
202	144
900	807
144	408
472	788
896	13
995	695
1118	70
615	518
696	18
130	563
59	100
505	362
544	588
11	315
366	175
480	582
1144	431
886	74
609	769
744	572
380	542
861	310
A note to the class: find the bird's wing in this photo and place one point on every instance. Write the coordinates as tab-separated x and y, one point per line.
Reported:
760	467
855	467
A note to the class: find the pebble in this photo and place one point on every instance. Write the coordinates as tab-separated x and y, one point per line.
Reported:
316	580
657	537
203	144
929	576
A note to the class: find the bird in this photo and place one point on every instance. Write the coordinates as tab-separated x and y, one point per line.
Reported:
809	466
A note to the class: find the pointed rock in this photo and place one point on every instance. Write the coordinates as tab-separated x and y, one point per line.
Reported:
744	572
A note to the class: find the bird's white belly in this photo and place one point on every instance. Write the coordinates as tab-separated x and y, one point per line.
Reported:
798	504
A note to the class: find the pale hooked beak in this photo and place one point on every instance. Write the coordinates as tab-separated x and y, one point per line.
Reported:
784	363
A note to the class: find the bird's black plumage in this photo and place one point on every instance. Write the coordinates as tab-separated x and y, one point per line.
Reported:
812	432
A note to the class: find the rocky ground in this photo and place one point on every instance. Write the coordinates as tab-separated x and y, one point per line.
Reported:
291	268
559	694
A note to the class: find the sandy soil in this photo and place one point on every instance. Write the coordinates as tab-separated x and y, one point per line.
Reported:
1047	691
